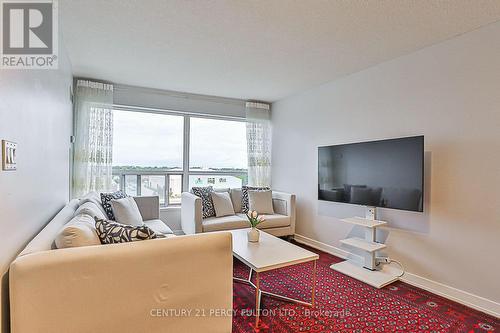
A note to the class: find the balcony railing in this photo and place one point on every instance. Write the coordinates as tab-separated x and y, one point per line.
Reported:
169	185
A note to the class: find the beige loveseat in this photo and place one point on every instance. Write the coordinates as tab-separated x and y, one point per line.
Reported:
159	285
281	223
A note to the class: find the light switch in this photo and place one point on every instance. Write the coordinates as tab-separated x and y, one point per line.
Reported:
9	151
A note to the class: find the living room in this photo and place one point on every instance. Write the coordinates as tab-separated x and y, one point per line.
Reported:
250	166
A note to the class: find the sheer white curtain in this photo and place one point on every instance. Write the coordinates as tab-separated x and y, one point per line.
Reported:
93	148
259	142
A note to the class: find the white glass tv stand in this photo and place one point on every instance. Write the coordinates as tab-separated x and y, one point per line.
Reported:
367	271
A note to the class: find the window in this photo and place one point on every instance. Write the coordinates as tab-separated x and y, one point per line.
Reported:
116	184
147	147
154	185
217	145
147	141
131	185
148	154
175	189
218	181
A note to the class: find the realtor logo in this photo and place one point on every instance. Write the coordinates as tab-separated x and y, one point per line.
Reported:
29	34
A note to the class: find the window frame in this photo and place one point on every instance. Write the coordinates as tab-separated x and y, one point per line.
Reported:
185	172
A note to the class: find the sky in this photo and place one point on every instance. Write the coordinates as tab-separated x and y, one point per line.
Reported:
148	139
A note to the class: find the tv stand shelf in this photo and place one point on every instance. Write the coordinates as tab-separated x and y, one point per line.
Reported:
364	222
363	244
377	279
368	272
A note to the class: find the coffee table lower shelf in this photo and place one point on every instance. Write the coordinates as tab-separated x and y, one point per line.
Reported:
259	292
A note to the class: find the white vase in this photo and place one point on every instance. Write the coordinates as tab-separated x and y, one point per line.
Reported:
253	235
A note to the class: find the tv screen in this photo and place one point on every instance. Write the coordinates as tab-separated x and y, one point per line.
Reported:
385	173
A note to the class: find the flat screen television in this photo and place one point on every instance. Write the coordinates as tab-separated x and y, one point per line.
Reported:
384	173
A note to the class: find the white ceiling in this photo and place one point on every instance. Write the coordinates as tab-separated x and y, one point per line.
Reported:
251	49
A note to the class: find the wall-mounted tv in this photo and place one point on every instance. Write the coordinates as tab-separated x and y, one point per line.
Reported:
384	173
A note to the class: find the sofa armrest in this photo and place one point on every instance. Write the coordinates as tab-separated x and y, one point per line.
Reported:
125	287
149	207
191	213
284	204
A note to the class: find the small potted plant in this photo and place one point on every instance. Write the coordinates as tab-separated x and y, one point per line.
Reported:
255	219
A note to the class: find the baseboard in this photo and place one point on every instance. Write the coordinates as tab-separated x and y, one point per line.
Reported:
321	246
463	297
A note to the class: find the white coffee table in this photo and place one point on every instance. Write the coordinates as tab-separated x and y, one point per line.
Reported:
270	253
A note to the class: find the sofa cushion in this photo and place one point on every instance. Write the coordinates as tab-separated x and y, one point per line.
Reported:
280	206
149	206
111	232
236	195
126	211
244	196
106	202
80	231
158	226
272	221
91	209
222	204
225	223
260	201
206	200
95	198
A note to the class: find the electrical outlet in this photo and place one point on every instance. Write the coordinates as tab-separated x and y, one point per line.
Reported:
382	260
370	213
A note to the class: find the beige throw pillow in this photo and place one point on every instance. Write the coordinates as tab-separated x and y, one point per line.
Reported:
261	201
127	212
236	196
222	204
95	198
79	231
91	209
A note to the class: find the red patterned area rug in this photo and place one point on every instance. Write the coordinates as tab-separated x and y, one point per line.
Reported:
344	304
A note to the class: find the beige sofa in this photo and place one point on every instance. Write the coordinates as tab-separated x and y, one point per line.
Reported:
129	287
281	223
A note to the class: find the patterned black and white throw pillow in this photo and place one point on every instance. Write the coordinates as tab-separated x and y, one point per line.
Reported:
111	232
244	195
106	202
206	200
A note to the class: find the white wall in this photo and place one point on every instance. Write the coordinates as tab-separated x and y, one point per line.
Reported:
449	92
35	112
